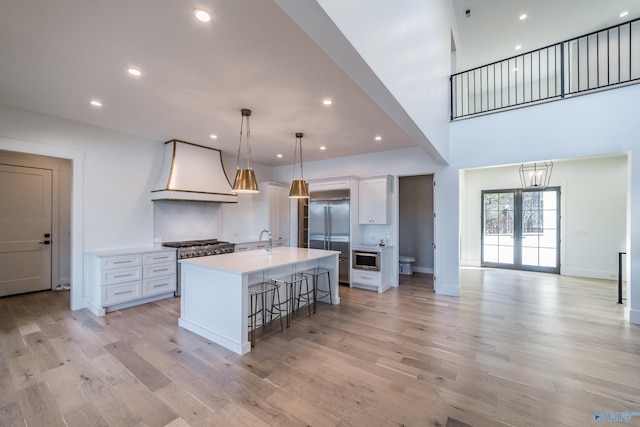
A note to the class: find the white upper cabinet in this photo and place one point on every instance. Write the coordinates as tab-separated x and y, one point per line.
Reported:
373	206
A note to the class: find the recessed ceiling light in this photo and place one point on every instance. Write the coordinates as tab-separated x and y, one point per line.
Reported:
523	16
96	103
134	71
202	15
623	14
378	138
327	102
213	136
279	155
518	47
323	147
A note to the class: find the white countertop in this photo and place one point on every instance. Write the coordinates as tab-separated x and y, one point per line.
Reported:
370	248
258	260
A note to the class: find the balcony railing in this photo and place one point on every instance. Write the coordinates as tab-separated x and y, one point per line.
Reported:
594	61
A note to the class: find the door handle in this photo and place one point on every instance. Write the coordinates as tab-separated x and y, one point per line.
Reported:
46	242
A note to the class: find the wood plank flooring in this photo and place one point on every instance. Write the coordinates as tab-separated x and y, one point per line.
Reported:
516	349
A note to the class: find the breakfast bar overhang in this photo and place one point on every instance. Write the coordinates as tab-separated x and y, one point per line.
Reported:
214	302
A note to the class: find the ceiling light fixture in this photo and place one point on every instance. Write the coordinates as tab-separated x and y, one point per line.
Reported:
245	181
536	175
279	155
299	187
378	138
327	102
213	136
518	47
323	147
523	16
623	14
202	15
134	71
96	103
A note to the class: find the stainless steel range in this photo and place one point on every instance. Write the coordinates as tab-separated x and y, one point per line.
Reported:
198	248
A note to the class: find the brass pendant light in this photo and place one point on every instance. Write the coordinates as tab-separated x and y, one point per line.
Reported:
299	187
245	178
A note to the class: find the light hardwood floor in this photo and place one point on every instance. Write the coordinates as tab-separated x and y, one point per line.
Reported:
515	349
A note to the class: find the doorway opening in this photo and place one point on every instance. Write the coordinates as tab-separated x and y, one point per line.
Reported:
35	230
416	222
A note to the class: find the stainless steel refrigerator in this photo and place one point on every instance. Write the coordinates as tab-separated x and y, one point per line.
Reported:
329	226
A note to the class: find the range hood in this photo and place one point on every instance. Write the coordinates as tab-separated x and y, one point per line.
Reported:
192	173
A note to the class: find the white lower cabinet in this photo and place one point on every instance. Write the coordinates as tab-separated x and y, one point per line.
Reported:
124	278
375	280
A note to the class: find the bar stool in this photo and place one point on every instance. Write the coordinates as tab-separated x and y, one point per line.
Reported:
294	293
259	304
315	273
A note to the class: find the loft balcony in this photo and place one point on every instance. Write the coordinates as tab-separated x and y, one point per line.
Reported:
604	59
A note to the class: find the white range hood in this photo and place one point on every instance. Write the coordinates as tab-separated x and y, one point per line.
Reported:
192	173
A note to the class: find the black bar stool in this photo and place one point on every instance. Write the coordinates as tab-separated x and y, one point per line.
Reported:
293	285
315	273
259	295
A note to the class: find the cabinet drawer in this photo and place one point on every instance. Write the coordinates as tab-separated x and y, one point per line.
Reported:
156	270
121	275
157	257
158	285
372	279
280	243
116	294
242	247
121	261
261	245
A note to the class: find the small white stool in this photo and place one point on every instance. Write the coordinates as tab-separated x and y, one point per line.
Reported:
405	264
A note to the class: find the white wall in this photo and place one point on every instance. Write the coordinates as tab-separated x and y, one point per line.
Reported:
417	35
593	207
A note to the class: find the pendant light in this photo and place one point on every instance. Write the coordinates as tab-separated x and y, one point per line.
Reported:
245	178
299	187
536	175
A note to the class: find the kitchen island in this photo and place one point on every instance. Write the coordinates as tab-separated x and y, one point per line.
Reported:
215	302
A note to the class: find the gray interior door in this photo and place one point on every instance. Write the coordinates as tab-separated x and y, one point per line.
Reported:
25	229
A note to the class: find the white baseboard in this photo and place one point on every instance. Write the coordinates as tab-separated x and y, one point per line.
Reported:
426	270
447	289
632	316
590	274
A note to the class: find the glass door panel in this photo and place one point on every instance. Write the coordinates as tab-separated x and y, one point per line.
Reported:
498	220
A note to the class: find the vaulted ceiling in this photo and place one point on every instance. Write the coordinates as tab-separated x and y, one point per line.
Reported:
56	57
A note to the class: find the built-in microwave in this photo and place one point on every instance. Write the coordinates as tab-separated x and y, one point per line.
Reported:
365	260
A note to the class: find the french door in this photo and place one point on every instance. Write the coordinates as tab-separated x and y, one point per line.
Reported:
521	229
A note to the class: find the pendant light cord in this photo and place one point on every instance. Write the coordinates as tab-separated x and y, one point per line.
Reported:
245	113
295	155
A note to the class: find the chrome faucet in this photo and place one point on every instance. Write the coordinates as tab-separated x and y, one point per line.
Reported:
270	248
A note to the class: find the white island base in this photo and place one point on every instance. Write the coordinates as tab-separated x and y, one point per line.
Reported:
215	301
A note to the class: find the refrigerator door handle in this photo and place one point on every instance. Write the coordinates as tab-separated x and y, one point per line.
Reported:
329	228
326	227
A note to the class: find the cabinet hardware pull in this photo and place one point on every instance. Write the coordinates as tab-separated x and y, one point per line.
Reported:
161	269
122	275
122	262
157	286
121	293
160	257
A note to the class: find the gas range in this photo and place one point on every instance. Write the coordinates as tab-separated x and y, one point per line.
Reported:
198	248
